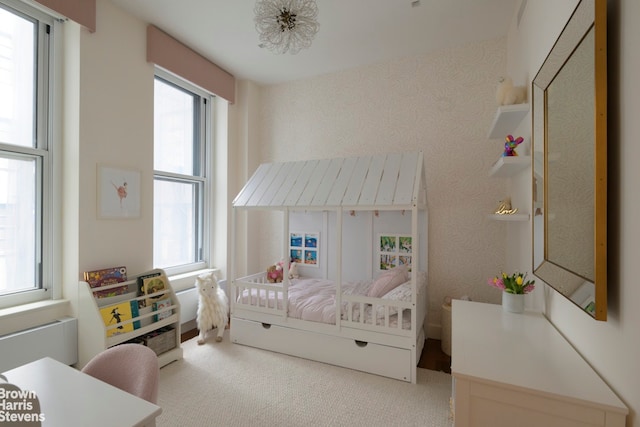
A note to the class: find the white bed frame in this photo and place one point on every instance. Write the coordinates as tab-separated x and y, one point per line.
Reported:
391	182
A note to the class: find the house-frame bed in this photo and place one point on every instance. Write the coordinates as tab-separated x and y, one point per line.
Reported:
354	205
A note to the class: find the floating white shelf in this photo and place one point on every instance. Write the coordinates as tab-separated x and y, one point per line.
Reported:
512	217
509	166
507	119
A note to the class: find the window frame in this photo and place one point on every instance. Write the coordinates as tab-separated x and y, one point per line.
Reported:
47	175
205	162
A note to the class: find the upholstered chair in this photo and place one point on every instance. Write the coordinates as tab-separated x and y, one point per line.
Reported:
130	367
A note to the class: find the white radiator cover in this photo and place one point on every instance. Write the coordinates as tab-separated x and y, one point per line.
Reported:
58	340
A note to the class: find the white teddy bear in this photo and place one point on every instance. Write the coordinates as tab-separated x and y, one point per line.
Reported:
293	271
508	94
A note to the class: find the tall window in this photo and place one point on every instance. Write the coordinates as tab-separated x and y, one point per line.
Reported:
26	165
182	139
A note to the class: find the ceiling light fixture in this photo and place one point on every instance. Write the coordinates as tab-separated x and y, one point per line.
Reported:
286	25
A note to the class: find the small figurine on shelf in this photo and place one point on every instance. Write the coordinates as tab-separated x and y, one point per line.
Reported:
504	208
510	145
508	94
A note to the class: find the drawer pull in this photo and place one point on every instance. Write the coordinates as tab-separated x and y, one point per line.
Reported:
266	325
361	343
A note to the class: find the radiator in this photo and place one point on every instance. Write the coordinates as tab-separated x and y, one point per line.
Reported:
58	340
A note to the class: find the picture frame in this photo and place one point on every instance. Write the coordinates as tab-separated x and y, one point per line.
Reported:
118	192
394	250
304	247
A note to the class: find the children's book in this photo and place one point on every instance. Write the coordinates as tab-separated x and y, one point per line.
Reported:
107	276
159	305
116	314
149	284
135	313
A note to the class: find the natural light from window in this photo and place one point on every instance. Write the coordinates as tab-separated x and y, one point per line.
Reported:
178	177
19	224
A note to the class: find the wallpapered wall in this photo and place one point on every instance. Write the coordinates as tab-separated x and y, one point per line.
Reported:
441	103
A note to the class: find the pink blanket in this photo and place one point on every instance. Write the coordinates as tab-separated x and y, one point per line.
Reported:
315	299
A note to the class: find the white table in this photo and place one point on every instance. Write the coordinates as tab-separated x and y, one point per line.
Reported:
517	370
71	398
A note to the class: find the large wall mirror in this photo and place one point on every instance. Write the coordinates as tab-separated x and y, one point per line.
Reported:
570	162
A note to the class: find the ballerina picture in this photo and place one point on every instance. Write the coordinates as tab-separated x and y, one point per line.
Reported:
118	193
121	191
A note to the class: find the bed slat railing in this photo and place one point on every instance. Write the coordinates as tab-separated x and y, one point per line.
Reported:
359	312
254	293
379	314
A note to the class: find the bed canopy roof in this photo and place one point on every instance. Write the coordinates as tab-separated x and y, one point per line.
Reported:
394	180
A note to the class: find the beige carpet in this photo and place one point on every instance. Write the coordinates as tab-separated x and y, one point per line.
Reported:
225	384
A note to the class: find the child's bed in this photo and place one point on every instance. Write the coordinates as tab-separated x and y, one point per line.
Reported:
380	328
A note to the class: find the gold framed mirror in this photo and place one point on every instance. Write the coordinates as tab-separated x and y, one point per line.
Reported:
569	133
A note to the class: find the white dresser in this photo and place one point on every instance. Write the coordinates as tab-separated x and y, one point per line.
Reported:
513	370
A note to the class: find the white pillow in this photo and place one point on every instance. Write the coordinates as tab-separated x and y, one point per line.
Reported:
400	293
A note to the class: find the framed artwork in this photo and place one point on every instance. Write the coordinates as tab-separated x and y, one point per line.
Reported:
394	250
303	248
118	193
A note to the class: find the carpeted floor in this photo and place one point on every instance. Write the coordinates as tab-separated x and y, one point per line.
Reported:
225	384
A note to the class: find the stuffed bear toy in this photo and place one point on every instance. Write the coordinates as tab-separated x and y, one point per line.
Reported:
508	94
274	273
213	306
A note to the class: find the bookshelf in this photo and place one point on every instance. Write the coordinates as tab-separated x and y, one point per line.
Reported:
145	326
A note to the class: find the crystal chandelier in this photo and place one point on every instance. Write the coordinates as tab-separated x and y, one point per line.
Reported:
286	25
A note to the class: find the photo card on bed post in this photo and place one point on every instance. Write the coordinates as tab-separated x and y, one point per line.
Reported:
394	250
304	247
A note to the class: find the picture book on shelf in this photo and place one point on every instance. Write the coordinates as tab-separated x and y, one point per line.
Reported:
116	314
135	313
149	284
159	305
107	276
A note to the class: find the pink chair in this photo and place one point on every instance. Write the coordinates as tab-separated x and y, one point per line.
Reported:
130	367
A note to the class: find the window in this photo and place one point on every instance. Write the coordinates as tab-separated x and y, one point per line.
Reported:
26	155
182	139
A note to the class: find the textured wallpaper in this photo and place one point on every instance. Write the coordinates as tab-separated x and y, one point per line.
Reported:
441	103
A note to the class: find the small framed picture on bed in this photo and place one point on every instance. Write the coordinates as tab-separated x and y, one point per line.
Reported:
394	250
303	248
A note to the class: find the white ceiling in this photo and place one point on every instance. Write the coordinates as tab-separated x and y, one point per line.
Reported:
352	32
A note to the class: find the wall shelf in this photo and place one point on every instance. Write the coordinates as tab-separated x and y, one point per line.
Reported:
507	119
512	217
509	166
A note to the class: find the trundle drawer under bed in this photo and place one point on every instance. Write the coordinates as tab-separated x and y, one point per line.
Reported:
377	359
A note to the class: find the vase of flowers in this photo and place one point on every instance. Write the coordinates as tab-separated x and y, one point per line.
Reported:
514	288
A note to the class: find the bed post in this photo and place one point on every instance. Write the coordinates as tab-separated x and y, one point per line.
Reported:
338	310
286	259
417	264
415	242
231	274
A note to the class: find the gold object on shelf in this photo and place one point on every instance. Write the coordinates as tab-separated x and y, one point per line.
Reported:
504	208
